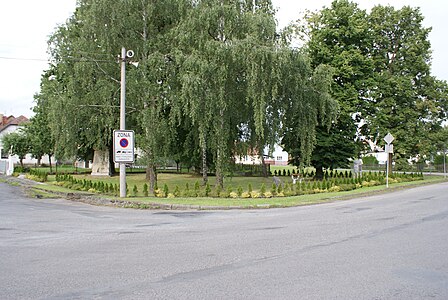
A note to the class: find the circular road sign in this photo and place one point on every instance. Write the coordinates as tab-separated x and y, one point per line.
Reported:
124	142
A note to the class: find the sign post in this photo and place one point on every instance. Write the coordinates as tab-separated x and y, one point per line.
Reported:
389	150
124	142
124	146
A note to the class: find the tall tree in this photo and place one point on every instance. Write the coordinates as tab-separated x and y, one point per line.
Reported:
18	143
406	101
38	129
339	37
381	80
229	75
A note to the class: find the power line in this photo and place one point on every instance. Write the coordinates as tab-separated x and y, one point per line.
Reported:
67	58
24	59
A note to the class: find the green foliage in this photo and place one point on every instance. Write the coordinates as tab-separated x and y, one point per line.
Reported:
18	143
274	189
145	190
370	160
240	190
263	189
207	189
218	190
177	192
165	190
134	191
381	63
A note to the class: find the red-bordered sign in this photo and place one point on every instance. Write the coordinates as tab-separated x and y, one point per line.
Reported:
124	146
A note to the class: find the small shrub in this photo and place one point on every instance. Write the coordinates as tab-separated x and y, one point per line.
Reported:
245	195
207	189
218	190
197	189
134	191
335	188
145	190
165	190
177	191
263	189
233	195
254	194
273	189
268	194
240	190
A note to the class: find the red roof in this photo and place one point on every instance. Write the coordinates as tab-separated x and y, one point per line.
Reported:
11	120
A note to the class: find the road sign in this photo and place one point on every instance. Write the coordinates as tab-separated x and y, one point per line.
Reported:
389	148
389	138
124	146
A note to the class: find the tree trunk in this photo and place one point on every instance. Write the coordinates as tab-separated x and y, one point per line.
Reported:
151	176
219	169
264	170
101	163
204	165
111	160
177	166
49	161
319	172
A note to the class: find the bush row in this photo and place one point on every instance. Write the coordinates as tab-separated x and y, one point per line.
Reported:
334	184
36	175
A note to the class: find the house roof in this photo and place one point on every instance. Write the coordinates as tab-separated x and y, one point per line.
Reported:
11	120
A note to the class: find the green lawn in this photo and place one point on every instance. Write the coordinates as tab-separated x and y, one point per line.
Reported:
207	202
172	180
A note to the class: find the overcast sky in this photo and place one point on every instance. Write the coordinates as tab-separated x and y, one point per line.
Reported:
26	24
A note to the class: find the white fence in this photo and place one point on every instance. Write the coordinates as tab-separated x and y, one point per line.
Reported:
6	167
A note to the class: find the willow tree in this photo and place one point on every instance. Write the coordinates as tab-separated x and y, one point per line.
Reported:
85	52
339	37
228	59
86	81
309	104
153	85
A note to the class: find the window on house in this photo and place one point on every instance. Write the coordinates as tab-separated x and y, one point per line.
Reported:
279	157
4	154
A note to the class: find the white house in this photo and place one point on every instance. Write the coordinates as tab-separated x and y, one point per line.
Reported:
11	124
279	157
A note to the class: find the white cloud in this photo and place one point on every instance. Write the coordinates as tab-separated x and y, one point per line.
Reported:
26	26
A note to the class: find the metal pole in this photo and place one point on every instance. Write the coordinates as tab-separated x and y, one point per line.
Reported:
444	163
387	171
123	119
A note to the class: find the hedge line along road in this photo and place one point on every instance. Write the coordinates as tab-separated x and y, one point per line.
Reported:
390	246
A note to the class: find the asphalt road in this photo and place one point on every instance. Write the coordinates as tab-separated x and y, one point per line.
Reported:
392	246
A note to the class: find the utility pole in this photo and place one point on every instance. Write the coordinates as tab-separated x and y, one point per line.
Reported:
123	139
389	150
123	118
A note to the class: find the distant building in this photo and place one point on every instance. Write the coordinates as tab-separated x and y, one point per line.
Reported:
9	125
279	157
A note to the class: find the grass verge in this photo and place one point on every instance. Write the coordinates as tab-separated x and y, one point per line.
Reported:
53	191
